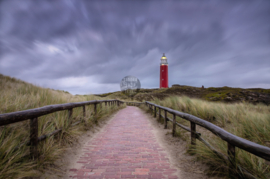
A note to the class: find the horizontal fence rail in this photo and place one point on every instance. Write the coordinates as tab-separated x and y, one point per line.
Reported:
232	140
33	114
133	103
13	117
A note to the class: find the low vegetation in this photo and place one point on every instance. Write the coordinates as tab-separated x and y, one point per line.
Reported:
16	95
245	120
219	94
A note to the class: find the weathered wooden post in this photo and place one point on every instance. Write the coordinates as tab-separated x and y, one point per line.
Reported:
231	157
100	105
159	114
95	108
155	111
165	119
193	133
105	103
174	125
34	138
83	111
118	103
70	111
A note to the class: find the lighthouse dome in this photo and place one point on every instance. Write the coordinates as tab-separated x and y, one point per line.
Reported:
163	60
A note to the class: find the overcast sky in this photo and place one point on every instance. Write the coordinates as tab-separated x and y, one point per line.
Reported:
85	47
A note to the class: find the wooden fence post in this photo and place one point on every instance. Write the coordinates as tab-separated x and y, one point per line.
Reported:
155	111
174	125
70	111
105	103
159	114
83	111
165	119
100	105
193	133
95	108
34	137
231	157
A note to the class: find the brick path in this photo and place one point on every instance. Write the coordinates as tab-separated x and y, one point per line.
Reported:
126	148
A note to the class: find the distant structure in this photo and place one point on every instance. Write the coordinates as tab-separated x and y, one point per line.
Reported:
164	82
202	87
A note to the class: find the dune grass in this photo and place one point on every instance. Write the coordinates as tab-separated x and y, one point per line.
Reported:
245	120
16	95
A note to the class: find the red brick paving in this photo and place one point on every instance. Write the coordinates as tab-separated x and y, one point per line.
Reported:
126	148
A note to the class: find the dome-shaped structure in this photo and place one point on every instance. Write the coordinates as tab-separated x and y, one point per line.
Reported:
163	59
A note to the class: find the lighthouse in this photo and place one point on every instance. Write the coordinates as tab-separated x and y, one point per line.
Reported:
164	82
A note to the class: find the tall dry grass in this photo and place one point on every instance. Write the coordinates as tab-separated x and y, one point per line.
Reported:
16	95
245	120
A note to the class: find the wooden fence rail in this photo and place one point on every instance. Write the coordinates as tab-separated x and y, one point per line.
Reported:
233	141
133	103
33	114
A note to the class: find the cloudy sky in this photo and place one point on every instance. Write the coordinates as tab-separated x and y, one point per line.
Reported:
85	47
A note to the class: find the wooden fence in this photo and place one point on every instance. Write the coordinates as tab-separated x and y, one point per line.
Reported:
133	103
232	140
33	115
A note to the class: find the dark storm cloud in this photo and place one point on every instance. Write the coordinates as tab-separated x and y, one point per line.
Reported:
89	46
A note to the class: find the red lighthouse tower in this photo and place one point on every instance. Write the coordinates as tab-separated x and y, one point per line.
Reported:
164	82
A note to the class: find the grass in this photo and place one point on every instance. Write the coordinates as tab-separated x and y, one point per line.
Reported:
16	95
245	120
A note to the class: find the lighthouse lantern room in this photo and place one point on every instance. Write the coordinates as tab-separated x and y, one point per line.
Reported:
164	83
